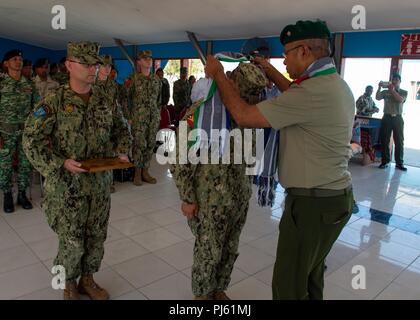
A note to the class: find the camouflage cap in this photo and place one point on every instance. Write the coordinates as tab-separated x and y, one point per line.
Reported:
250	80
87	52
305	30
144	54
107	59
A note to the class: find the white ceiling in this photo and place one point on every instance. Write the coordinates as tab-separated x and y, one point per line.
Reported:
155	21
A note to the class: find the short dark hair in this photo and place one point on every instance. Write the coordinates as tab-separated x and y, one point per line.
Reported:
369	87
396	76
160	69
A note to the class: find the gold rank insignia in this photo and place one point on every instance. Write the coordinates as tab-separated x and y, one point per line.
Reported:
69	108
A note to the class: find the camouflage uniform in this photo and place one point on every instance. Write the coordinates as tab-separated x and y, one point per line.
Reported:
144	100
61	78
181	94
77	206
222	193
17	98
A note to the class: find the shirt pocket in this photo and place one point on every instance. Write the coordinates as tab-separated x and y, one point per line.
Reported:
70	132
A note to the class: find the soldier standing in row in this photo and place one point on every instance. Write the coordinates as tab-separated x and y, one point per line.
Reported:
165	95
69	125
17	97
144	115
104	83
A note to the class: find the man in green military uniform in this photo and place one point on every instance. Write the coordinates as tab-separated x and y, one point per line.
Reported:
70	125
144	115
17	97
315	116
392	121
182	92
215	201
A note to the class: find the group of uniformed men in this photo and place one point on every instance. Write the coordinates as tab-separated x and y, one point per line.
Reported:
87	119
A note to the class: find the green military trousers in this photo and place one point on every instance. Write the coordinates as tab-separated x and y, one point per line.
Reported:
395	126
81	224
216	230
9	145
308	229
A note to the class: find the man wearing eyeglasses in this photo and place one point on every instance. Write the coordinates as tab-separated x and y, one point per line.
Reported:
315	116
72	124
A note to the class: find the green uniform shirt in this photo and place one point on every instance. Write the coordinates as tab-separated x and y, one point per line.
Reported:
316	120
17	98
392	106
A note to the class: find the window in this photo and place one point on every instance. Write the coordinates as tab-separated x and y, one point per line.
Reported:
361	72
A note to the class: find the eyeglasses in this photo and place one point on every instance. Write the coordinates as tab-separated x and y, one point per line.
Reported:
288	51
86	65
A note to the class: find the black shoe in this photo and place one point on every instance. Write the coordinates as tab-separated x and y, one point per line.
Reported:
8	205
383	166
401	167
355	208
23	201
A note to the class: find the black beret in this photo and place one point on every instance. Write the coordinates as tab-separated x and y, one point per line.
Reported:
11	54
305	30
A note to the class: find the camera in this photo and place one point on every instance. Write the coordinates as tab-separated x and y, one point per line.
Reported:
384	84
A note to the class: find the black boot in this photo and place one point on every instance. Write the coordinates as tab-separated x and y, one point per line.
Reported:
8	205
23	201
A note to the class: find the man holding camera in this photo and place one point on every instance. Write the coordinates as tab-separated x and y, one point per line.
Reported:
392	121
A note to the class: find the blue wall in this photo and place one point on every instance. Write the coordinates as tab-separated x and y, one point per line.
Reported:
29	51
373	43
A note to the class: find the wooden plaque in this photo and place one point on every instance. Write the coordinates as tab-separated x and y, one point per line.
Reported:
97	165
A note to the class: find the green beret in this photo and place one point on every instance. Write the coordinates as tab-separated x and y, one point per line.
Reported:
305	30
144	54
87	52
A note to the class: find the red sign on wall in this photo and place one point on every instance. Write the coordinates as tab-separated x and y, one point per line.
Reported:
410	44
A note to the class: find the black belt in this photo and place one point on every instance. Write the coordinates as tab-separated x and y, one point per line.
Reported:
393	115
318	193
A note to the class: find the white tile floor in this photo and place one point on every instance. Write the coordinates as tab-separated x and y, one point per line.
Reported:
148	253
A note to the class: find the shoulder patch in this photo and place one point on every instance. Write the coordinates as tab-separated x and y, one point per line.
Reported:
42	111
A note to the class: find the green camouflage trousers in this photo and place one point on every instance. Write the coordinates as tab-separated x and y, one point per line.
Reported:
10	144
144	131
216	230
81	224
